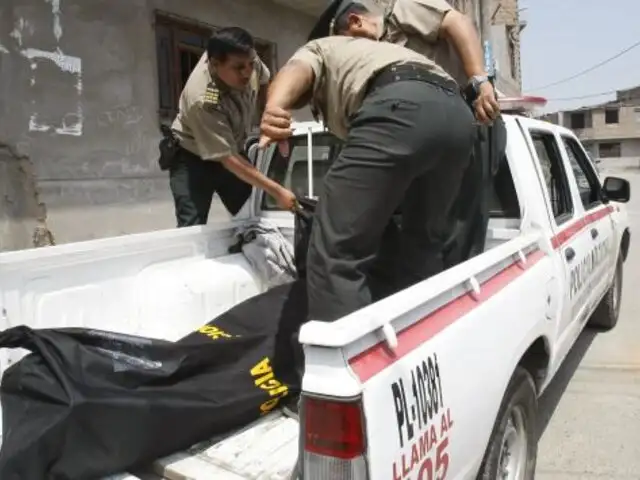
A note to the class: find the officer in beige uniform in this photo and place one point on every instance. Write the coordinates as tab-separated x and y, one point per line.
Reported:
216	108
435	29
408	137
431	27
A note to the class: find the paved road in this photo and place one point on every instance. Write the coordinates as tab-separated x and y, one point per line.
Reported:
590	427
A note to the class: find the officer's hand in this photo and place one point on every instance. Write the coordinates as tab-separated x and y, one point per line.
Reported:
283	146
486	106
286	199
276	123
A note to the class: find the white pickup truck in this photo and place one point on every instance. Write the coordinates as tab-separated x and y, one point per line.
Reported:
439	381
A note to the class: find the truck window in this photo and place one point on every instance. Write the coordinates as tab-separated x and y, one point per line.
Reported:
554	175
586	178
503	203
293	172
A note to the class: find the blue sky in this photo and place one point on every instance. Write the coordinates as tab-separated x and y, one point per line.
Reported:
563	37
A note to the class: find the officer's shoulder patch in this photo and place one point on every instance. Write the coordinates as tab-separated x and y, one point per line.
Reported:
211	97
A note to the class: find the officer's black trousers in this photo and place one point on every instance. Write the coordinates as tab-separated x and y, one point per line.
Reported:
408	147
193	182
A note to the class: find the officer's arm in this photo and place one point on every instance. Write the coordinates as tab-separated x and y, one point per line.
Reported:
460	31
215	142
435	19
297	80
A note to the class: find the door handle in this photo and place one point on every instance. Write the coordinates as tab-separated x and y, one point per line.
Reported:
570	254
594	233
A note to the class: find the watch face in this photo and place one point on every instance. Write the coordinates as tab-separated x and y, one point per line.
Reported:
477	81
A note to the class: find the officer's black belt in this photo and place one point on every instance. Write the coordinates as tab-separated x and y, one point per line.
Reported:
409	71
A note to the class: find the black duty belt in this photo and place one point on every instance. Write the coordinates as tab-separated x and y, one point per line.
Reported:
409	71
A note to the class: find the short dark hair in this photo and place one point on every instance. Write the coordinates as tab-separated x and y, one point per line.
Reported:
341	23
229	41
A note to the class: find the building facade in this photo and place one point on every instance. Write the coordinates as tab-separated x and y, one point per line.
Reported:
84	87
506	30
608	130
499	22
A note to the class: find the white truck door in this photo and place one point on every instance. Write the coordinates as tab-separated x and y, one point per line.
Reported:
570	239
594	272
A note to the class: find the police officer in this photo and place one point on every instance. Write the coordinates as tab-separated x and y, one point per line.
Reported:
448	37
431	27
216	108
408	136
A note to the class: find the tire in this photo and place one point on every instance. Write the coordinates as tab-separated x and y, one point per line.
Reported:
606	314
513	447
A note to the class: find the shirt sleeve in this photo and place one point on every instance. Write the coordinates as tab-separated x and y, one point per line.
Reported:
263	73
421	17
212	132
311	55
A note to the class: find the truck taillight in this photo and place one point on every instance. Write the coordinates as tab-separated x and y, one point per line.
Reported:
333	440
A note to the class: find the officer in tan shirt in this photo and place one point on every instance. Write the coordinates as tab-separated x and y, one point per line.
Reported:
216	108
435	29
408	136
431	27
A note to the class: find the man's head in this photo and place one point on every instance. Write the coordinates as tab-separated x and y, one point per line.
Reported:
346	17
231	54
358	21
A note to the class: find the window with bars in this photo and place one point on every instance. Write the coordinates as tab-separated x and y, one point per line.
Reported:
179	45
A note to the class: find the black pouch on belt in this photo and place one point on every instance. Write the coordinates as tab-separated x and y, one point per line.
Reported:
169	146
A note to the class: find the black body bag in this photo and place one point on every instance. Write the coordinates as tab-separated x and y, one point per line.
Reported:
303	221
86	403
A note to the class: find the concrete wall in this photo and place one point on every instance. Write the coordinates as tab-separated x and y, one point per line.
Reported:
630	148
507	19
628	126
79	101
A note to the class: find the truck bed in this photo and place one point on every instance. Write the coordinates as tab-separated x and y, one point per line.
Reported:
264	450
166	284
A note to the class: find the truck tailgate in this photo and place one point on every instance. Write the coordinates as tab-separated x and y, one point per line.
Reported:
265	450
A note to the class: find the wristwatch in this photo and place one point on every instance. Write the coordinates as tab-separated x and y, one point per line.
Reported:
476	81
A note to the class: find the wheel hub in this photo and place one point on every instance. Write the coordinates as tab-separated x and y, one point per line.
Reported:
513	453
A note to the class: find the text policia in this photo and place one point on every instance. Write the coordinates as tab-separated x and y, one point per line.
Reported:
423	423
265	380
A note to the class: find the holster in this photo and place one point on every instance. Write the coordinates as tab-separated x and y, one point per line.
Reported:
169	146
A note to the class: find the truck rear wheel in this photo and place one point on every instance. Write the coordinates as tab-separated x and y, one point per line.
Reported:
513	446
608	310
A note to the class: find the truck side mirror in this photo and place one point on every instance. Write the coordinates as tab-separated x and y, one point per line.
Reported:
617	189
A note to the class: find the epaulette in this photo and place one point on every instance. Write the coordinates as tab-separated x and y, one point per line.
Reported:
388	11
211	98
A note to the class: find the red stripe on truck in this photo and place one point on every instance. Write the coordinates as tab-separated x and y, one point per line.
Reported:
378	357
568	233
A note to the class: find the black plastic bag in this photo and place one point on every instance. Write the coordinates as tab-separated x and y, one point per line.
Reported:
86	403
303	221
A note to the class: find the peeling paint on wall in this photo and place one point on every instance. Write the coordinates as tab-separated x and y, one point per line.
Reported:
57	26
71	122
23	215
66	63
